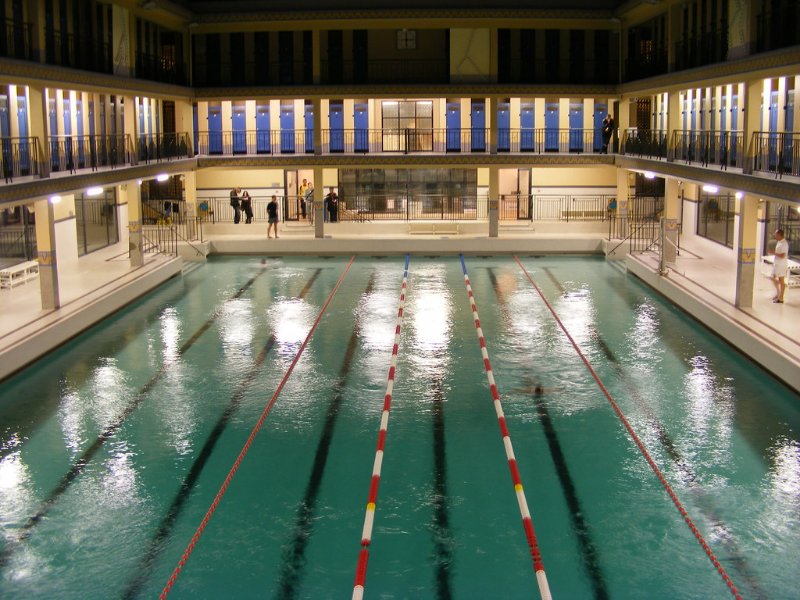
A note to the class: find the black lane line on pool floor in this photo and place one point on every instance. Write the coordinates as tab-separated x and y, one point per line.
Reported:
87	455
688	475
294	562
442	537
190	480
588	549
129	333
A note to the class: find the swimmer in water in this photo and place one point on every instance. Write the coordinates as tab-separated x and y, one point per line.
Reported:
537	389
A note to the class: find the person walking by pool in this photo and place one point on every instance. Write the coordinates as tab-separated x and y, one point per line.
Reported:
780	266
332	202
272	216
237	208
247	206
301	195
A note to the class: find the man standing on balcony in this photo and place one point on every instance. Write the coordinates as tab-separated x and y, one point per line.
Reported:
237	209
607	131
780	266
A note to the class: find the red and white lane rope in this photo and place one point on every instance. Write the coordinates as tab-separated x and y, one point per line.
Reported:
527	522
673	496
369	517
193	542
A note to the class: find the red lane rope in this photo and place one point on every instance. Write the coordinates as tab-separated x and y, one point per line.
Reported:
369	517
527	521
673	496
188	551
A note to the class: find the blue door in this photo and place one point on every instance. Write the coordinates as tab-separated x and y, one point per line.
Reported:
526	125
787	137
361	122
503	127
263	145
24	144
453	124
336	125
551	127
215	129
80	141
239	130
287	128
67	116
600	112
478	126
309	125
195	121
55	158
576	126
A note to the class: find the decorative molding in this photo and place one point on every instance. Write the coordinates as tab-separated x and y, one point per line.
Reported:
747	256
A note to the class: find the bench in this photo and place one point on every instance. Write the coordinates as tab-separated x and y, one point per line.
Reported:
793	277
18	274
434	228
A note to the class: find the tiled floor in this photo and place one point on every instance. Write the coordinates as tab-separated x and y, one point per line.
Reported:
703	268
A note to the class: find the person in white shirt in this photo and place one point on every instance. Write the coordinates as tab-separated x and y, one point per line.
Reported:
780	266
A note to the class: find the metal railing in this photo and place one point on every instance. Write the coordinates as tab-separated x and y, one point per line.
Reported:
401	141
645	143
163	146
160	239
18	241
777	153
15	40
70	153
19	157
723	148
640	225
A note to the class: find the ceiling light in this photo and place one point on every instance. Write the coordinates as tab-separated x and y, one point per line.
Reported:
55	199
711	189
162	177
94	191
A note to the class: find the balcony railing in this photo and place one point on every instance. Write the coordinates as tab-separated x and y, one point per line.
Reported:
70	153
15	40
777	153
707	48
723	148
19	157
401	141
385	71
160	68
164	146
79	52
645	143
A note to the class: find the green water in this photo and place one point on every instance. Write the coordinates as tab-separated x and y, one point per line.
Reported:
115	445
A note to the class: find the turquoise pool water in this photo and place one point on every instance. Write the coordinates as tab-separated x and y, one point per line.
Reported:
115	445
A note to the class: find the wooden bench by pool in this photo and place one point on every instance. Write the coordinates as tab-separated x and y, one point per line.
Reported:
434	229
18	274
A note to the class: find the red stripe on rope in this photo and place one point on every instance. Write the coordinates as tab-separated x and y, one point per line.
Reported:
687	519
188	551
361	568
363	556
530	535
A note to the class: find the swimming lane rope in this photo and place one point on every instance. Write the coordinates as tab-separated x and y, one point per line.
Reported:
224	487
369	517
527	521
673	496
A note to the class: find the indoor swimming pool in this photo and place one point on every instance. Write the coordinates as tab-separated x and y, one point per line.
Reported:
233	434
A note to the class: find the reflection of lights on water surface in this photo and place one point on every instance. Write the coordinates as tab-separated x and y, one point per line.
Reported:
785	473
170	335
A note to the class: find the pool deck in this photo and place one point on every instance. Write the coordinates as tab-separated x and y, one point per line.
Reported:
702	281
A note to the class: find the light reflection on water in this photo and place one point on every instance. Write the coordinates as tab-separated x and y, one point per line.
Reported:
667	383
